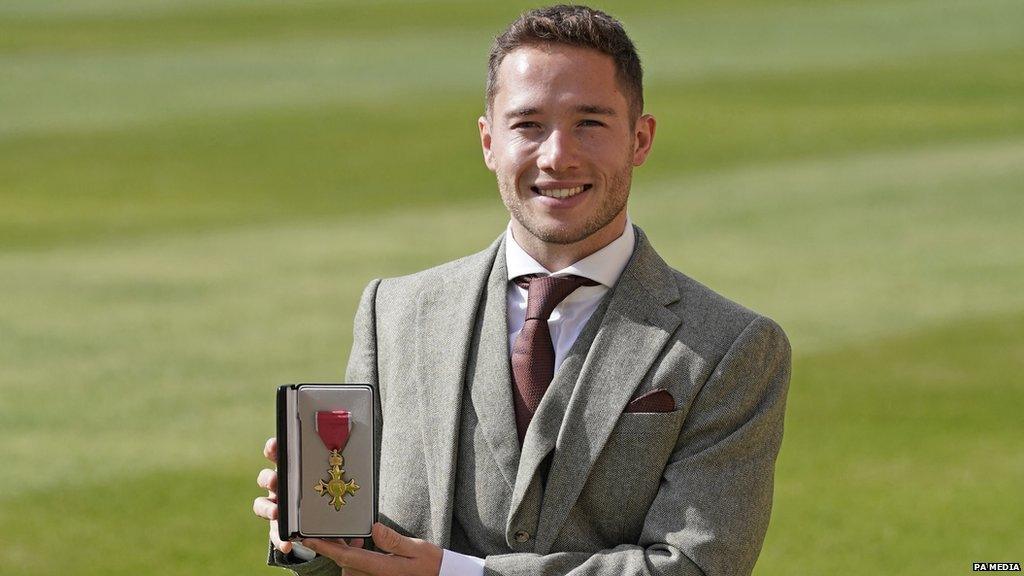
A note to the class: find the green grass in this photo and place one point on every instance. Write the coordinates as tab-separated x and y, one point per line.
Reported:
902	455
193	194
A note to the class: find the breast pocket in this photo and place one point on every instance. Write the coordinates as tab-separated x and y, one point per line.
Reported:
643	441
626	476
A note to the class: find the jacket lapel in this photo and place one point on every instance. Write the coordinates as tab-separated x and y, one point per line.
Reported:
544	428
635	328
491	388
444	331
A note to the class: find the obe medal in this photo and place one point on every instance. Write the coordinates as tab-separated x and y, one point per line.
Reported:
333	429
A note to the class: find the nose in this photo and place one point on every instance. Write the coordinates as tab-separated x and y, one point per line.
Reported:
557	153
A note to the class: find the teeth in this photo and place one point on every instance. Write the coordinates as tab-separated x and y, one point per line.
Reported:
562	192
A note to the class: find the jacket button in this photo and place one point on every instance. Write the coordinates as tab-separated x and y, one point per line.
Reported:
522	536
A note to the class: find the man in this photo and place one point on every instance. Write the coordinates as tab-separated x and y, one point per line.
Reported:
563	402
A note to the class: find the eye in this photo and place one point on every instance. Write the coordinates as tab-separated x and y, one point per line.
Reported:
591	123
525	125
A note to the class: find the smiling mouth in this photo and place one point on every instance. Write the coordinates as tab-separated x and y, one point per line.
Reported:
561	192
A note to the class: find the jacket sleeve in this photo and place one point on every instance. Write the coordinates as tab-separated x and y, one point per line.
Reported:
362	369
362	361
712	509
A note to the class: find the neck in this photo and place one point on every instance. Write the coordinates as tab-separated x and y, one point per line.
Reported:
554	257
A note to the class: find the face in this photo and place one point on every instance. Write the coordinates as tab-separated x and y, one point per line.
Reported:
562	145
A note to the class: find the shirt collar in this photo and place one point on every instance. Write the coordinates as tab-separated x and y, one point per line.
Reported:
604	266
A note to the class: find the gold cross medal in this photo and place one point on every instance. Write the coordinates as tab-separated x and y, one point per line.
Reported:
334	428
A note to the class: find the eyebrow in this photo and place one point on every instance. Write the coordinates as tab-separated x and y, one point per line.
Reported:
521	112
592	109
582	108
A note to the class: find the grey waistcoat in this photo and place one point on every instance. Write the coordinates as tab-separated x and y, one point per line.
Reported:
483	493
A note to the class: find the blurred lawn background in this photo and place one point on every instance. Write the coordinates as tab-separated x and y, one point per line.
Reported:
193	194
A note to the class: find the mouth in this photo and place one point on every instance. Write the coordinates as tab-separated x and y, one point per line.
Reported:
560	192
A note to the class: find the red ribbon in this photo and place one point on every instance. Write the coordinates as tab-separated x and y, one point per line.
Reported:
333	428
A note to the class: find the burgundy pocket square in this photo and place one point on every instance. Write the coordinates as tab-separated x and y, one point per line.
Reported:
654	401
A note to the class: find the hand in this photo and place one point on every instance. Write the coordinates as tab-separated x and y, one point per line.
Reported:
266	506
408	556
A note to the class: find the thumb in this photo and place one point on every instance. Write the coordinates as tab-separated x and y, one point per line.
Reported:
391	541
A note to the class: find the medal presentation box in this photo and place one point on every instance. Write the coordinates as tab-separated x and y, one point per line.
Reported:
326	483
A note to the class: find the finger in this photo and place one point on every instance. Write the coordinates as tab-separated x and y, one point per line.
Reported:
357	558
270	449
353	542
353	572
389	540
283	545
267	478
265	508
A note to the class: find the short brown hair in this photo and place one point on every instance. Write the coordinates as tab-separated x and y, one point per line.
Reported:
574	26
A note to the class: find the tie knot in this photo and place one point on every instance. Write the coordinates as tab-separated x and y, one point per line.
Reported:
544	293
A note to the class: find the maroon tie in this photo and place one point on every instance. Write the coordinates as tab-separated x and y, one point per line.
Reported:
533	355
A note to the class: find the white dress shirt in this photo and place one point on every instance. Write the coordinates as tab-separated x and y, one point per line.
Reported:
566	322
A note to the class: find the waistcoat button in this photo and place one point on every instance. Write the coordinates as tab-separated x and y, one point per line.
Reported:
522	536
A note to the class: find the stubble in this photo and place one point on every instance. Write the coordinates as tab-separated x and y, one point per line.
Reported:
612	204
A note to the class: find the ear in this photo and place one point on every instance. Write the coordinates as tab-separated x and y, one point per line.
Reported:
485	141
643	138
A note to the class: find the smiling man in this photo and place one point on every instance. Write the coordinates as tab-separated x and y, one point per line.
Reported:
562	135
562	402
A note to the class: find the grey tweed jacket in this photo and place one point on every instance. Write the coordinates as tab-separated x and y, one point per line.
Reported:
594	489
